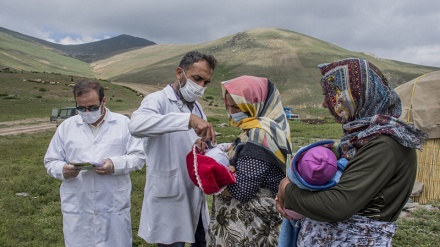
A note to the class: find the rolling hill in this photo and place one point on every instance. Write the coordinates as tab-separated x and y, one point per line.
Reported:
287	58
102	49
25	55
88	52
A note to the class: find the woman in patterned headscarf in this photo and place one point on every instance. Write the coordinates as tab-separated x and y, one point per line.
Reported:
245	214
377	182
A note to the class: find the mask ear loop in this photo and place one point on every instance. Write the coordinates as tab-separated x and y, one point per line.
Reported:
179	100
184	74
180	85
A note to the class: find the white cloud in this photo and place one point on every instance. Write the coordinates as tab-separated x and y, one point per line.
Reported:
76	41
51	40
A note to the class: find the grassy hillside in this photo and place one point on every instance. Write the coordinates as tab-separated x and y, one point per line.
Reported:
102	49
29	56
288	58
156	63
22	96
87	52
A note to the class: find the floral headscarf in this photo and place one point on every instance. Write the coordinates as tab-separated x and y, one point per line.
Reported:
359	96
267	125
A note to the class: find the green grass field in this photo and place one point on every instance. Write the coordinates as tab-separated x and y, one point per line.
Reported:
22	98
27	55
35	219
288	59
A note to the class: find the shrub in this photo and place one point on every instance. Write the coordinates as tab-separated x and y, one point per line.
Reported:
42	89
11	97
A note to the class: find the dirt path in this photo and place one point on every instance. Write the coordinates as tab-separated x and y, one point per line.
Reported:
21	129
30	125
26	121
142	88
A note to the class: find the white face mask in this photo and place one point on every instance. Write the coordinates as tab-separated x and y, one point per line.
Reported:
91	117
191	91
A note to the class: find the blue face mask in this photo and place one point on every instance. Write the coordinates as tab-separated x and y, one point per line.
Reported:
239	116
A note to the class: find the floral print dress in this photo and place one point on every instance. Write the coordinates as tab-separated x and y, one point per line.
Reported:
248	219
239	224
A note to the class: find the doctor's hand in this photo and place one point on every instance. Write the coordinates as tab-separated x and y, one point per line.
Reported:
202	128
201	145
107	168
70	171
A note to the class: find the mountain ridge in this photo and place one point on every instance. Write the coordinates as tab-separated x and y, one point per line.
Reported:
287	58
88	52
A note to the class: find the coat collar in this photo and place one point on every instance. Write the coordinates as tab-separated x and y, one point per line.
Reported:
171	94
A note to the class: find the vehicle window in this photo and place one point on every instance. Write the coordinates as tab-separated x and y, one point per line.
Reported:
63	113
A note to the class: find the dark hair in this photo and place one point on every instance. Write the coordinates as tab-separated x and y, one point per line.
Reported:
194	56
83	87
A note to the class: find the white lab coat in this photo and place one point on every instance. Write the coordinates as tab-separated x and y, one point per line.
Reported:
172	203
96	208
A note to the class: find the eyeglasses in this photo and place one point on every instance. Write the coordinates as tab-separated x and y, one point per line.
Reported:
90	108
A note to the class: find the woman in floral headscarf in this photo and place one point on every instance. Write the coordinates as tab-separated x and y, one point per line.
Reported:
245	213
362	208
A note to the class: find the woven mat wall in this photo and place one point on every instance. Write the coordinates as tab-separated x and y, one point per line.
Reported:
428	171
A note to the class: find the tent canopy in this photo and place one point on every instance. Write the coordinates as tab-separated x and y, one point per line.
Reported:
421	103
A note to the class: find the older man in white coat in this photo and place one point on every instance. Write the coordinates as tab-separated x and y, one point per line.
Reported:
174	210
95	200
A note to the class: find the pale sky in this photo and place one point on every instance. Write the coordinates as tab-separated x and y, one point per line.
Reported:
403	30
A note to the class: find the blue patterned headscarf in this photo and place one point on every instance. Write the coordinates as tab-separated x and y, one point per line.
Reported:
359	97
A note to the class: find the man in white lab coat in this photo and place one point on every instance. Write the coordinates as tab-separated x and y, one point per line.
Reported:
95	199
170	121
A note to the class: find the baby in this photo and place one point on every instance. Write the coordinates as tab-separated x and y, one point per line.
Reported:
210	171
314	167
218	154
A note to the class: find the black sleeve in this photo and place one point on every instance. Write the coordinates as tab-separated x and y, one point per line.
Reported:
254	170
